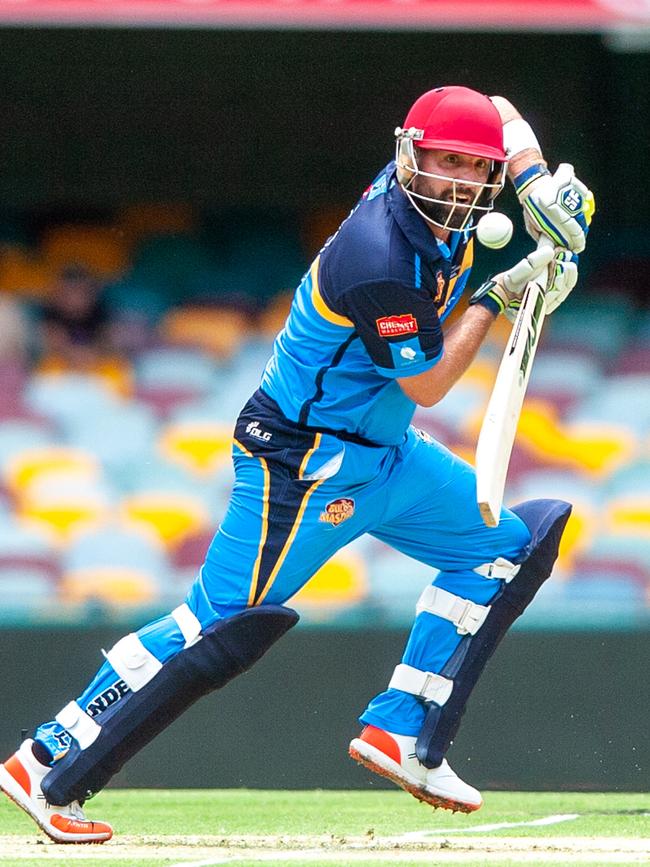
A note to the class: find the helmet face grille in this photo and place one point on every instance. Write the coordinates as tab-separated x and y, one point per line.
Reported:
459	214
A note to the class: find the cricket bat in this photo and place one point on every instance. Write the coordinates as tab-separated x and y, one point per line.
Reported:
499	427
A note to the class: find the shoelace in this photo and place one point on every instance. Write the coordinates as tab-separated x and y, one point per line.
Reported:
77	812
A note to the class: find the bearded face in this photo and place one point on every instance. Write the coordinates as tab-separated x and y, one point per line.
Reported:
446	187
451	207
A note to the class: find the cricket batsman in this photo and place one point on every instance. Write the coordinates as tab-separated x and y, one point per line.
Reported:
324	452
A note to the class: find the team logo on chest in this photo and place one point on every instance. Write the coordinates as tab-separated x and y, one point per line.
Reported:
393	326
337	511
440	287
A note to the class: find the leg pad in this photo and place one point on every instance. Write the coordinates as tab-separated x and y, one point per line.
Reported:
228	648
546	520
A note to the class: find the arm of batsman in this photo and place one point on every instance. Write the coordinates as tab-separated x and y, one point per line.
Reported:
559	206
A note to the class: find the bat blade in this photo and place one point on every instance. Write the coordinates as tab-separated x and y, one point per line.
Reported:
499	427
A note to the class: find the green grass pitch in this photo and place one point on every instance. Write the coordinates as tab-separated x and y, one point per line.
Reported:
318	828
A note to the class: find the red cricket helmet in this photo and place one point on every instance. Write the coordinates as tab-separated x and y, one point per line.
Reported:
457	119
463	121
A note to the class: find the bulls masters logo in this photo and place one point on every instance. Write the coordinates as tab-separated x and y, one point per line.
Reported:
337	511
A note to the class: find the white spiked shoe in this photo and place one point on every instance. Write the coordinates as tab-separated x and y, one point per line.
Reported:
393	756
21	777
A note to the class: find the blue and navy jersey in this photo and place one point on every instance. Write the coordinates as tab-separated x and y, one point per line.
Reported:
368	311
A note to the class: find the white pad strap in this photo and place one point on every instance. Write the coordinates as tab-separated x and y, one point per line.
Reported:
133	662
518	136
467	616
425	684
82	728
501	568
188	623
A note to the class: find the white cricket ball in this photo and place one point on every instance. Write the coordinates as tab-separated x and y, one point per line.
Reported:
494	230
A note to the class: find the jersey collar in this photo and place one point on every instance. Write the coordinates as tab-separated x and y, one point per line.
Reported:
412	224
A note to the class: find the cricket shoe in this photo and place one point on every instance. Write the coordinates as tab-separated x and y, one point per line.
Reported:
393	756
21	777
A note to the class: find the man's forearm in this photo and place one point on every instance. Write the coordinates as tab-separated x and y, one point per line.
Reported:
526	158
462	342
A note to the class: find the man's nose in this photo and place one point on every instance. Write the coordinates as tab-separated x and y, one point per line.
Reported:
469	173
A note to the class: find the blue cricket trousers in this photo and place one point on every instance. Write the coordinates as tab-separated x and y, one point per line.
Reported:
298	497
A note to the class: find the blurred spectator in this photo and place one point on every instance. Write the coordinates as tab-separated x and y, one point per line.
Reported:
75	323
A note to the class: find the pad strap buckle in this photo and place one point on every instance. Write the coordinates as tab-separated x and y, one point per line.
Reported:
500	568
188	623
424	684
83	728
133	662
467	616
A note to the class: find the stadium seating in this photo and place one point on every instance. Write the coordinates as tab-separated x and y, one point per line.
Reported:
113	481
201	446
66	398
118	563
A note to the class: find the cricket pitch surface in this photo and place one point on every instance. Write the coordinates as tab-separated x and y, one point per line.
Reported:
200	828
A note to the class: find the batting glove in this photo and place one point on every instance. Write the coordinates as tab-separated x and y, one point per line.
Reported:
503	292
564	276
559	206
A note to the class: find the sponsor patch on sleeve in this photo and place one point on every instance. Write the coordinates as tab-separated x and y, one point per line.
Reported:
394	326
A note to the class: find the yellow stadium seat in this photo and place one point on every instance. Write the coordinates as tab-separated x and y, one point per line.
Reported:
109	584
65	500
100	249
172	515
218	331
65	514
342	581
115	372
593	449
25	467
202	447
579	531
628	514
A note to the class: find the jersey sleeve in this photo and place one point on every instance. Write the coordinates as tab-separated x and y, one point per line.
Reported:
399	326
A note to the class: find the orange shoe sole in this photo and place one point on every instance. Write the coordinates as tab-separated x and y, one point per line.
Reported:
435	801
45	829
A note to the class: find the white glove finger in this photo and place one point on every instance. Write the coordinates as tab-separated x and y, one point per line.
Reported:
583	189
531	226
567	230
516	278
554	299
571	230
572	275
563	175
538	260
565	279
